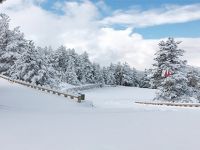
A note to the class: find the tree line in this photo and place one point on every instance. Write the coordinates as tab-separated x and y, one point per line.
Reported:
21	59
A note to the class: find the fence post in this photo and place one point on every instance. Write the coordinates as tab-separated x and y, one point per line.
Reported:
82	96
79	99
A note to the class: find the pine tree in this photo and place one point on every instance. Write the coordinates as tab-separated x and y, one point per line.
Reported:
70	74
135	80
111	75
118	74
12	44
172	88
108	75
30	67
4	38
98	74
193	76
85	74
127	75
46	54
60	62
145	79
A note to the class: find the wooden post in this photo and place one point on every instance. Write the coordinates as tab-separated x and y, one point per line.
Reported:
82	96
79	99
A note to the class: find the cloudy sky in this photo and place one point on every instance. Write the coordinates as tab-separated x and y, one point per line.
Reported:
110	30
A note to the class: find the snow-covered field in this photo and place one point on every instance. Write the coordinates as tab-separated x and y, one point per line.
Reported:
107	120
118	97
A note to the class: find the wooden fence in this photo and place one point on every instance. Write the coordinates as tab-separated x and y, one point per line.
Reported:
79	96
171	104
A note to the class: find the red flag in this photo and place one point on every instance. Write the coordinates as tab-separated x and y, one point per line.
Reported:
167	73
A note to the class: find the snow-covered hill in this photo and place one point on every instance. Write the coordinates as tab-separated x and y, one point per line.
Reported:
34	120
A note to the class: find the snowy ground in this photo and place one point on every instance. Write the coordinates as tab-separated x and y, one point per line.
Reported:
118	97
33	120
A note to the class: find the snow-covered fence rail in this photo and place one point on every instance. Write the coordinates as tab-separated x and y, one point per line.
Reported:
171	104
79	96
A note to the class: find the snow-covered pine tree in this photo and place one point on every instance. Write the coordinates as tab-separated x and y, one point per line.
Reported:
97	73
193	76
127	75
85	75
105	74
70	74
173	88
60	62
79	69
108	75
135	80
4	38
53	76
118	74
12	44
124	75
145	79
53	61
30	67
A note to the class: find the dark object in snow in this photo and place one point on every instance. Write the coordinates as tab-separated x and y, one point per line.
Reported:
1	1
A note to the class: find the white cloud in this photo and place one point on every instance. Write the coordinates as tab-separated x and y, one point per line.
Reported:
76	26
192	50
167	14
121	45
79	27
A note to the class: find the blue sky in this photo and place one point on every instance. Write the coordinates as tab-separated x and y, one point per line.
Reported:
189	29
145	4
186	29
125	4
110	30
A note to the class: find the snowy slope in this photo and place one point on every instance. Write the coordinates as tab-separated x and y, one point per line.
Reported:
33	120
119	97
19	98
